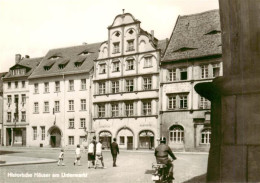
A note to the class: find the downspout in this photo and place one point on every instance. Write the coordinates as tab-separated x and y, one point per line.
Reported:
64	123
90	110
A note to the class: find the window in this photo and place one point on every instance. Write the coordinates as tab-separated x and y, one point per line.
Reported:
101	110
83	84
116	47
57	106
148	83
43	132
129	109
57	86
130	64
9	85
23	84
23	116
36	89
205	136
82	122
147	110
9	99
36	107
71	123
34	133
83	104
183	101
116	67
204	71
117	34
102	88
71	105
115	86
23	99
176	134
183	74
16	84
122	140
9	116
46	87
216	70
172	74
172	102
204	103
130	85
46	106
71	140
71	85
148	61
102	68
115	111
177	101
130	45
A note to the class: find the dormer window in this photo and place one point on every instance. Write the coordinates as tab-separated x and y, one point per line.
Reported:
213	32
54	57
63	64
78	64
17	72
48	66
185	49
84	53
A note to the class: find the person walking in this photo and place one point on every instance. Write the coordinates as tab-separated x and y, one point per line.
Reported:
77	156
61	156
91	156
114	151
99	155
95	144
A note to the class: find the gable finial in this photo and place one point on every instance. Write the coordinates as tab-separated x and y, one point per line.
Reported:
123	11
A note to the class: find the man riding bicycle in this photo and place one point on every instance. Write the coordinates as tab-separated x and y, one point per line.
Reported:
161	153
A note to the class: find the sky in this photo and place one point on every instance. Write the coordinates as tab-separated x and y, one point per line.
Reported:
32	27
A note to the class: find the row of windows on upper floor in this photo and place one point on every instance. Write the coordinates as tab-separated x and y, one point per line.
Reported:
130	65
206	71
130	85
56	108
16	116
16	99
124	109
130	46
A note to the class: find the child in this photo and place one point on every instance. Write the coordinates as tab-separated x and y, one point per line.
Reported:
77	156
61	156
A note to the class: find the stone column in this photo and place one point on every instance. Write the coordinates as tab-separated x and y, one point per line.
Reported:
235	97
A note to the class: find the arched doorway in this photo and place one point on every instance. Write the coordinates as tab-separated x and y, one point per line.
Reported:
55	136
146	139
106	138
125	138
176	136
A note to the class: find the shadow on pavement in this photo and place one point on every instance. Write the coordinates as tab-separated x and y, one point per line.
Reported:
197	179
8	152
149	171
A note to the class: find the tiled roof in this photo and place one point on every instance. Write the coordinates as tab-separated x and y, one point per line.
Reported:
162	45
194	36
30	63
67	56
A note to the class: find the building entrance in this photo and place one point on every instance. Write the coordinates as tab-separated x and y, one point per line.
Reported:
125	139
55	137
146	139
106	138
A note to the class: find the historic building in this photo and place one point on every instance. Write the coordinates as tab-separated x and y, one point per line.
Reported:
193	55
60	97
126	85
16	101
1	106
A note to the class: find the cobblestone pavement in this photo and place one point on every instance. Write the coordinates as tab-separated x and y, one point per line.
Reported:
133	167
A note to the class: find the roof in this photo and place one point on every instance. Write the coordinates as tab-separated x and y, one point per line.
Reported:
29	63
196	35
68	57
162	45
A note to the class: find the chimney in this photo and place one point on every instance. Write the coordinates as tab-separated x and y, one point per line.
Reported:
17	58
152	33
27	56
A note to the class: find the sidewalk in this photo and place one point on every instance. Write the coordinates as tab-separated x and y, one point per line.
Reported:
6	160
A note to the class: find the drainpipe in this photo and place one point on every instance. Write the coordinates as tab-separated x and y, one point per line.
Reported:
90	110
64	123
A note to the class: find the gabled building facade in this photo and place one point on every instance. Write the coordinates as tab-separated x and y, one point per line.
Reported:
16	101
193	55
126	85
60	97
